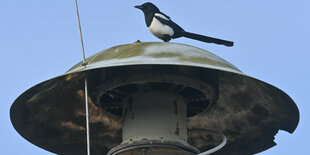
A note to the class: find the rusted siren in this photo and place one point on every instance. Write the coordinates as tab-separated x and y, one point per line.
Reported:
154	97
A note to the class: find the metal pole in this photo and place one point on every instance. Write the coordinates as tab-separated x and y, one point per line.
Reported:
85	81
79	23
87	117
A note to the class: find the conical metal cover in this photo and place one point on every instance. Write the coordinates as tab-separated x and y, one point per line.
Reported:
219	97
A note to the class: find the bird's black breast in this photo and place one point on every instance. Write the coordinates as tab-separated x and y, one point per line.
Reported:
148	18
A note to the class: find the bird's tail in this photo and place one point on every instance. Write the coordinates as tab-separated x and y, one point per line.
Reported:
207	39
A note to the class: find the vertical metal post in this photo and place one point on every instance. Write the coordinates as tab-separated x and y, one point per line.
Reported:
85	81
87	116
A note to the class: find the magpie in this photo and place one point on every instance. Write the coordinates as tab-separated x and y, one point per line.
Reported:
162	27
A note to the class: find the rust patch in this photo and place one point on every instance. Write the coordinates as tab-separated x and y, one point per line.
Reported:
72	126
68	77
80	93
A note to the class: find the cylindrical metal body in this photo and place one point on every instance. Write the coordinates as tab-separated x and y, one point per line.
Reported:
155	123
155	116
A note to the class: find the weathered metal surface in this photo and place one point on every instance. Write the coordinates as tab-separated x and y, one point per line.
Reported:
248	111
151	115
155	53
198	93
153	147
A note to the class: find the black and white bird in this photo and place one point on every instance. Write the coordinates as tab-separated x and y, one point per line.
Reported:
162	27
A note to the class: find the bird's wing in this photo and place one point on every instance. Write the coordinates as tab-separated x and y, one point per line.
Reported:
162	16
160	13
167	21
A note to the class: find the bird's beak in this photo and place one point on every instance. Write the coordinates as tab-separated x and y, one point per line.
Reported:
139	7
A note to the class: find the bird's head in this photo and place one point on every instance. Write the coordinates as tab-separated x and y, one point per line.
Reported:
148	8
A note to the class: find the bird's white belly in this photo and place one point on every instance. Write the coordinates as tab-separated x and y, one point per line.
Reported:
160	30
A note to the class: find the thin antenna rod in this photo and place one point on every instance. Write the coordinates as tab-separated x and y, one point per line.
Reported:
81	36
85	81
87	117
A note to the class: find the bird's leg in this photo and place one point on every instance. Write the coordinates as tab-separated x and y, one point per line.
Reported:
166	38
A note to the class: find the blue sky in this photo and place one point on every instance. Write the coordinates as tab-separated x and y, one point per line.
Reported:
40	40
